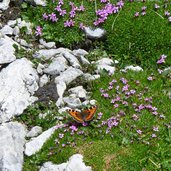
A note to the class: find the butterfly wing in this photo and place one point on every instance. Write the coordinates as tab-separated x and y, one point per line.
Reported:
89	113
76	115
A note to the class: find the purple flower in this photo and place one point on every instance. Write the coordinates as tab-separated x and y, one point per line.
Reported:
153	135
155	128
116	105
169	19
81	8
167	13
72	13
143	8
103	1
143	13
137	14
85	124
45	16
53	17
139	131
63	145
123	80
162	59
150	78
69	23
61	135
38	31
100	114
81	26
135	117
73	128
106	95
120	4
125	88
58	8
156	6
62	12
160	71
60	2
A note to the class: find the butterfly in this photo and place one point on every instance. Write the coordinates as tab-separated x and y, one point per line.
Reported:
83	116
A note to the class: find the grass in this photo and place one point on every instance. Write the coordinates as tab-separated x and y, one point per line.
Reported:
130	40
122	148
140	136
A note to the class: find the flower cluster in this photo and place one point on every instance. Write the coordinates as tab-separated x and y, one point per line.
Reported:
107	10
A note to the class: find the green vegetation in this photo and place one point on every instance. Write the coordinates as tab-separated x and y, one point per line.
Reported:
134	131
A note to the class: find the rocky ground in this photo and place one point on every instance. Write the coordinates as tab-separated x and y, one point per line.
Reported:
23	83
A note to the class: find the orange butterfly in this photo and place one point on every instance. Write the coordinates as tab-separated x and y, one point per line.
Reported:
83	116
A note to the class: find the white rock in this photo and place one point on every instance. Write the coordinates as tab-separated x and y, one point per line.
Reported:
18	82
72	101
61	87
63	109
83	60
90	77
94	33
68	75
7	51
4	4
79	52
28	25
12	146
35	144
93	102
12	23
35	131
7	30
49	53
72	59
79	91
48	45
131	67
40	2
75	163
40	68
109	69
16	30
44	79
105	61
24	43
56	67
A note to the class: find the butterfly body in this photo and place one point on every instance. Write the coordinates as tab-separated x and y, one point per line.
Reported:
83	116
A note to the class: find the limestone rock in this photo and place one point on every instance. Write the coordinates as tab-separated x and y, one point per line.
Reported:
35	144
35	131
7	51
75	163
68	75
12	146
18	82
4	4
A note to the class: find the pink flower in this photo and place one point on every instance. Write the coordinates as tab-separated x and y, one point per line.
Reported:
153	135
45	16
81	26
162	59
169	19
135	117
139	131
156	6
38	31
143	8
150	78
73	128
155	128
61	135
137	14
167	13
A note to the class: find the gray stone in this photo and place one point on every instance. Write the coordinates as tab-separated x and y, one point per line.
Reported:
72	59
44	79
75	163
12	146
68	75
28	25
96	33
40	2
90	77
105	61
48	45
72	101
79	52
7	30
12	23
49	53
131	67
18	82
16	30
35	144
4	4
7	51
40	68
109	69
35	131
79	91
56	67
